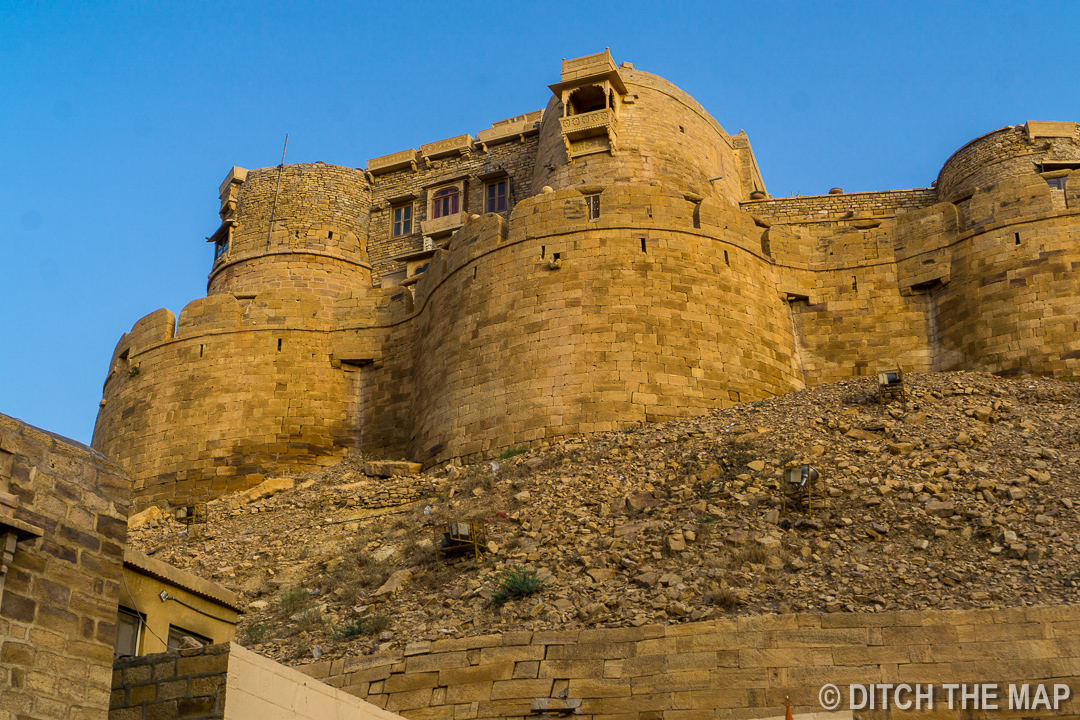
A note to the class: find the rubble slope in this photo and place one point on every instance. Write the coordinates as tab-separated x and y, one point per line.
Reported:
962	496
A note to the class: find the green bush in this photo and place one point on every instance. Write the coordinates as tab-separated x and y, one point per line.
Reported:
294	601
254	633
518	581
361	625
308	620
512	451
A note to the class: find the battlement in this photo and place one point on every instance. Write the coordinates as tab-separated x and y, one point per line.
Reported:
547	278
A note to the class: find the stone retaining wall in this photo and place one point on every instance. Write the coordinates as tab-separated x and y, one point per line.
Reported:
731	668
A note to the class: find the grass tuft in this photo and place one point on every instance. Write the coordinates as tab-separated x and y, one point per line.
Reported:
518	581
512	451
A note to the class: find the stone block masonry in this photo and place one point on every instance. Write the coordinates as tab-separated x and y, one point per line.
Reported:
58	599
226	681
622	276
165	686
740	668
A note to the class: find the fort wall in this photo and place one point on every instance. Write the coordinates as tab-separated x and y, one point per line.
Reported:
624	277
742	667
1012	304
560	325
232	397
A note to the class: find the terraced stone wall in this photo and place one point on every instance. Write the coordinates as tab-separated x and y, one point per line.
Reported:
731	667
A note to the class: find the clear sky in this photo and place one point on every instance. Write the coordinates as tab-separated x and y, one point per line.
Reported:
118	121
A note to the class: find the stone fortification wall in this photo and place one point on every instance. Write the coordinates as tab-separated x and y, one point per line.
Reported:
988	287
732	667
555	324
853	207
238	391
1009	152
537	320
373	345
663	135
317	239
164	686
59	596
1014	298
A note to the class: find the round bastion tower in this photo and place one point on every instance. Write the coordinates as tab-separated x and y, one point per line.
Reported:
295	226
614	125
241	386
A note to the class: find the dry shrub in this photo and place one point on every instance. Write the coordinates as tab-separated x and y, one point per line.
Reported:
753	554
725	598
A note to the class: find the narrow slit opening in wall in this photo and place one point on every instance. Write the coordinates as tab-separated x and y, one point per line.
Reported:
854	283
726	260
1017	237
330	235
201	350
643	246
543	249
279	345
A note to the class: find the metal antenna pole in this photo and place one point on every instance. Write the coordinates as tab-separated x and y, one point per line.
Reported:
273	208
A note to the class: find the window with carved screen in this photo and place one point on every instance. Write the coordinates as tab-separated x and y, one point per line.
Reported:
495	196
445	202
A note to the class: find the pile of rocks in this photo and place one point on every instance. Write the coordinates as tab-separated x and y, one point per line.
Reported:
965	495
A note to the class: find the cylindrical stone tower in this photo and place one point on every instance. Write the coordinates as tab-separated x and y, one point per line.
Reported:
297	226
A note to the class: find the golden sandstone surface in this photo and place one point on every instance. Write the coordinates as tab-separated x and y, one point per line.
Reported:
606	262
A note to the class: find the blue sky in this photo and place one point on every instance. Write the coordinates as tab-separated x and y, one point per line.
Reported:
118	121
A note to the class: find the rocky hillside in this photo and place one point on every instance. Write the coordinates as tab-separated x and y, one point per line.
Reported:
965	495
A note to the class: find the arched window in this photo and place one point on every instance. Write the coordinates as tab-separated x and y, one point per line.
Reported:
445	202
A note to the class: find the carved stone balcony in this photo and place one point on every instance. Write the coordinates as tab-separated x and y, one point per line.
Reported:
597	122
575	128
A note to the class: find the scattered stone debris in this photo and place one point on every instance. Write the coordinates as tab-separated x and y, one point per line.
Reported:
960	496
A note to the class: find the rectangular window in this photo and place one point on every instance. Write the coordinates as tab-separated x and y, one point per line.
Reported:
496	197
445	202
128	630
177	635
1057	183
593	201
402	220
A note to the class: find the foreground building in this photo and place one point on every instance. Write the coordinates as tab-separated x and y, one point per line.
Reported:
72	597
609	261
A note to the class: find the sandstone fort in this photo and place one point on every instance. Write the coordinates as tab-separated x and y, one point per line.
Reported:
611	260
